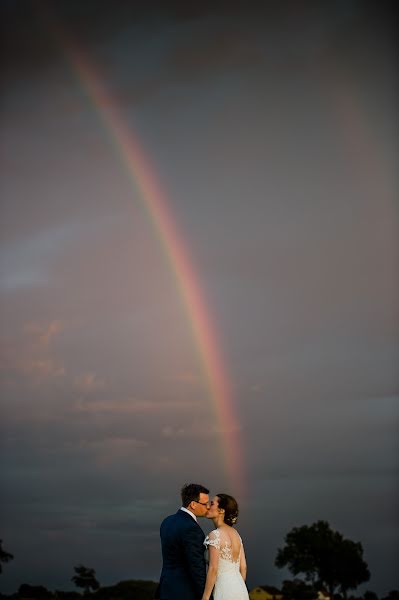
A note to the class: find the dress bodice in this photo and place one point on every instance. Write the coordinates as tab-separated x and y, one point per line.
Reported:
227	563
229	584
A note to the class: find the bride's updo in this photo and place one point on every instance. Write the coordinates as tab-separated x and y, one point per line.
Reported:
230	506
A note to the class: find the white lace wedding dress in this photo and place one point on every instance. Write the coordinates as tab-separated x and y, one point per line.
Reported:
229	584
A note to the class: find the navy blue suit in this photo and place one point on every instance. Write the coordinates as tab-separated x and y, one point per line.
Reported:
183	571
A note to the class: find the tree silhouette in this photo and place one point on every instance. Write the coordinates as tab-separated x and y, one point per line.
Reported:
36	592
393	595
5	556
368	595
325	557
85	578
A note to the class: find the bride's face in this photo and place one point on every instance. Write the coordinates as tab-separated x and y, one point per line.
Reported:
213	510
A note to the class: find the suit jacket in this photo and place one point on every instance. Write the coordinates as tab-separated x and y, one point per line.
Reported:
183	570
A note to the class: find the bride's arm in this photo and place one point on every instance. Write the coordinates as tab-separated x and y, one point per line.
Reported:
212	571
243	564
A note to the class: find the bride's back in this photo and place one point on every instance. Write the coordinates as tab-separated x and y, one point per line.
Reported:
233	540
230	543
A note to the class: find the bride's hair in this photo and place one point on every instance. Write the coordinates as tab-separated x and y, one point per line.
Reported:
230	506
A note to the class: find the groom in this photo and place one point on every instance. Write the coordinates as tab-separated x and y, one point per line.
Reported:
183	570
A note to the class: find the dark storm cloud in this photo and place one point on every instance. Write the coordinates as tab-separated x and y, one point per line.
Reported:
209	39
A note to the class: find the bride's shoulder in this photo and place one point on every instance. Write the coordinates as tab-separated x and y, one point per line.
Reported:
213	538
214	534
238	534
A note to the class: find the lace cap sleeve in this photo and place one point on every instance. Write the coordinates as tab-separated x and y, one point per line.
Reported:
213	539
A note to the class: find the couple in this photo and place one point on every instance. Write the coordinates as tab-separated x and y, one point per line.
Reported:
184	575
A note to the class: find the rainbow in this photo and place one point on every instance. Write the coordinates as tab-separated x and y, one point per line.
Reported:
143	177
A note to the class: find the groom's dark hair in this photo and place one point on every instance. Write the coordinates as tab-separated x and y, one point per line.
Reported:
192	491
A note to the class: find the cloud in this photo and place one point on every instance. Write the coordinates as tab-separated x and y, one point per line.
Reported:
43	333
29	355
219	50
133	406
26	260
204	430
89	382
42	369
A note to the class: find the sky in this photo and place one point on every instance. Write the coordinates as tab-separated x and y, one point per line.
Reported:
198	278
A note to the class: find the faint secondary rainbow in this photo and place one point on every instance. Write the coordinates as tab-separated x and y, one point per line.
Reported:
362	148
143	177
365	153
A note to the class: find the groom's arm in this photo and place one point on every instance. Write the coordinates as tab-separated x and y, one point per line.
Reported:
194	552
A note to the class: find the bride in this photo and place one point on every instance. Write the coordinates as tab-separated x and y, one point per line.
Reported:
227	568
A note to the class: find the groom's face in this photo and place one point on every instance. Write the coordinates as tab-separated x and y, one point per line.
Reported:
201	506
